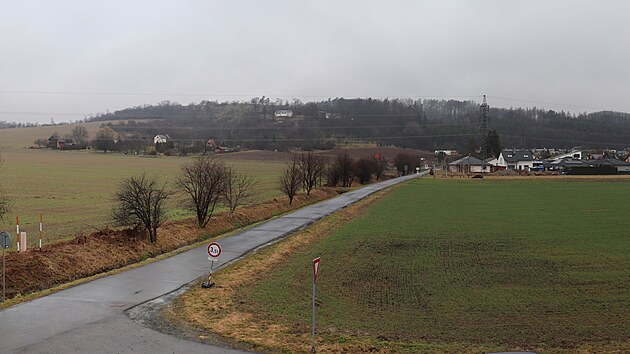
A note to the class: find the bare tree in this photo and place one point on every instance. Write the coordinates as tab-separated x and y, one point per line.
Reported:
311	170
238	189
5	205
342	167
41	142
105	139
203	180
290	181
80	135
379	168
139	203
364	169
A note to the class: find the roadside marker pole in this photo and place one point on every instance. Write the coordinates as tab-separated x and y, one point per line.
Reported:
4	275
214	251
41	229
5	242
315	273
17	232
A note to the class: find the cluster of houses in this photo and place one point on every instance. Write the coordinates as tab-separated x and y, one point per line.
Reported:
573	162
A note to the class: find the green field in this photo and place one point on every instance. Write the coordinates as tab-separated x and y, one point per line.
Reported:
469	265
73	189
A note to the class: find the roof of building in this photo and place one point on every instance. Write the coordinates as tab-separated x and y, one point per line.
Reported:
160	136
468	160
606	162
517	155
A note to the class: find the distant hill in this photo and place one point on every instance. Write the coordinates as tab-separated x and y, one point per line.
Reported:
426	124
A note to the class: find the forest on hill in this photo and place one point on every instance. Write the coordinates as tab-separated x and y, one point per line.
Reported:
419	124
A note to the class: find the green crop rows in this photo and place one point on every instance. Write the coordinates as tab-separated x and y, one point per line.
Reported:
499	264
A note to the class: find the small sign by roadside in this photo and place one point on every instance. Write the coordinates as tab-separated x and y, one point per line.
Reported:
214	251
5	240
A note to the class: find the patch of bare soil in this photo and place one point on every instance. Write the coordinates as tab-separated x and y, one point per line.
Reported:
108	249
256	155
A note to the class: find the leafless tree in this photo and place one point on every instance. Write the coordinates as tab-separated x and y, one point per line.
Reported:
311	170
342	167
379	168
41	142
139	203
364	169
239	188
203	181
290	181
105	139
80	135
5	205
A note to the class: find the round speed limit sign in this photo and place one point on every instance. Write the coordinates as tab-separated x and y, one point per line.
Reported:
214	250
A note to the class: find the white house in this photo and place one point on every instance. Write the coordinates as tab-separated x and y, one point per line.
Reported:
468	164
516	159
446	152
575	154
283	113
160	139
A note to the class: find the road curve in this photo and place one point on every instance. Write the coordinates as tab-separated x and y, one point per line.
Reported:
89	318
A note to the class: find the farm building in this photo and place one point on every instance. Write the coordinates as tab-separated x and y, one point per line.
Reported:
161	139
283	113
447	152
468	164
513	159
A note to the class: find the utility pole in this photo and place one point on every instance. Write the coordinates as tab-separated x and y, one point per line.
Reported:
483	116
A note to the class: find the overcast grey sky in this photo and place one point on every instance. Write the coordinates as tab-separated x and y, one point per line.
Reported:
81	57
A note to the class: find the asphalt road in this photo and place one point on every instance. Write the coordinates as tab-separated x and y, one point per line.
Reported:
89	318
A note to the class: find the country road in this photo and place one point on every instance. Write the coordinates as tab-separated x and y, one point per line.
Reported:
90	318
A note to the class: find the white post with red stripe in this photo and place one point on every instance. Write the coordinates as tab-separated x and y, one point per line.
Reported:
41	230
17	232
315	274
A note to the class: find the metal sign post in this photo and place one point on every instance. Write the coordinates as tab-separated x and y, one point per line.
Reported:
214	251
315	274
5	242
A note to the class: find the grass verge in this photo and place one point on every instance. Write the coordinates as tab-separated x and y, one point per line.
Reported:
96	254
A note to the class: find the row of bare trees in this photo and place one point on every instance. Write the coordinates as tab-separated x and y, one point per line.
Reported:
307	171
204	184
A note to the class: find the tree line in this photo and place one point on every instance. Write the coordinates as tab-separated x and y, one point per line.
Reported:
205	183
422	124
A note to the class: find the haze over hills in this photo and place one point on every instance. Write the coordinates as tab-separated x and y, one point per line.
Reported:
420	124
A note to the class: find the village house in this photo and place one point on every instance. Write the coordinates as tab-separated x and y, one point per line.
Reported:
283	113
469	164
513	159
161	139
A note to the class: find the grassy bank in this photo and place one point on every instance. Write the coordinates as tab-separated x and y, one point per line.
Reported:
102	251
443	265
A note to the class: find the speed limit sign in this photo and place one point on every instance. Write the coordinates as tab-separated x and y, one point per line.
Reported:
214	250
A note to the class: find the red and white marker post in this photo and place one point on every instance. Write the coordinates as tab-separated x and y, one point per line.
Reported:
41	230
315	274
17	232
214	251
